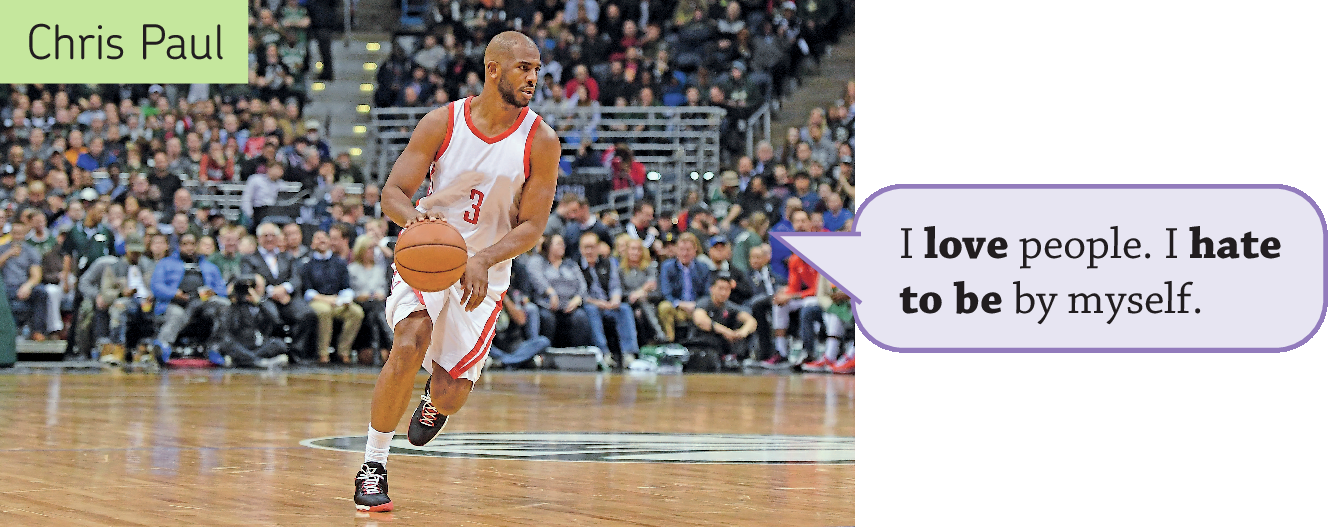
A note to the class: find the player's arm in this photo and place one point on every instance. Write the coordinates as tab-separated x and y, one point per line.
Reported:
537	198
410	168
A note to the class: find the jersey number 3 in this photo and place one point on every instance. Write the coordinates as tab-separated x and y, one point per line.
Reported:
472	215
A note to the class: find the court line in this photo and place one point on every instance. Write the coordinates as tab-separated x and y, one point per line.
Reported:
128	449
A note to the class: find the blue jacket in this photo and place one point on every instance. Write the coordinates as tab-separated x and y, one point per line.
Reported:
672	280
168	274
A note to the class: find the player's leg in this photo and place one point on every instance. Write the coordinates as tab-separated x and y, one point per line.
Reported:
395	383
395	386
461	340
448	394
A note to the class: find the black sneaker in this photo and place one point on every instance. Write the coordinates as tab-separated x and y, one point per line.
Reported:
426	422
370	488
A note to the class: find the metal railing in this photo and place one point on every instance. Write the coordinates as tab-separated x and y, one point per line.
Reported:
227	197
671	141
761	120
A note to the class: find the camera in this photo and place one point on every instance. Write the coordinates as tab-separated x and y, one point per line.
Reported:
242	289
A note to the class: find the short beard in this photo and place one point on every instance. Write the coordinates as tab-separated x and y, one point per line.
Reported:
508	93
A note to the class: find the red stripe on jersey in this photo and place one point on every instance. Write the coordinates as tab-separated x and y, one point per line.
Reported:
525	160
447	140
481	346
521	116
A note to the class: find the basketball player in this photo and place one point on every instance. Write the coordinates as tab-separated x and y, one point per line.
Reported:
493	165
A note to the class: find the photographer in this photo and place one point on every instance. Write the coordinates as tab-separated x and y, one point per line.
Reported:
243	330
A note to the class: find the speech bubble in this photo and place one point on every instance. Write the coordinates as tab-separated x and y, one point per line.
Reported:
1271	297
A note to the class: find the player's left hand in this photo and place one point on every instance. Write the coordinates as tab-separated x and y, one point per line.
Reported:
474	283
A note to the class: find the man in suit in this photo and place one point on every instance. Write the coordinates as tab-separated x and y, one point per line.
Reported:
765	286
684	280
283	288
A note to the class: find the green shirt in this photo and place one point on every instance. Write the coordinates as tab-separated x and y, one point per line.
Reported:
228	267
85	245
43	246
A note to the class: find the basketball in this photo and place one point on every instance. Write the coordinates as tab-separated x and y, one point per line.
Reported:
430	255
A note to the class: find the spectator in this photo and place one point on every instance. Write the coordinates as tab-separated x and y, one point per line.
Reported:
683	281
755	228
604	299
562	282
640	226
278	271
331	297
244	330
306	173
92	310
809	200
582	222
261	192
21	266
724	326
341	238
766	286
781	253
88	241
836	218
581	77
45	243
125	290
183	289
293	242
227	258
837	317
719	254
368	280
640	275
802	284
326	20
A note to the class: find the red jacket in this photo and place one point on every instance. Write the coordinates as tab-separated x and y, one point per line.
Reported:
803	280
592	89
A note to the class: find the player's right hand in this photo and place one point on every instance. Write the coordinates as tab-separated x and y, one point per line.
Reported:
426	216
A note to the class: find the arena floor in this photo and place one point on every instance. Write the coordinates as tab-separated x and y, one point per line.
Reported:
280	448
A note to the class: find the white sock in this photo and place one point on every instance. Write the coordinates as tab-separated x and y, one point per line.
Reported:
780	342
832	351
379	445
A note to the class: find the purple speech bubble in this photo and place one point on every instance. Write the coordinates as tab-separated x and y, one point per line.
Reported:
1259	304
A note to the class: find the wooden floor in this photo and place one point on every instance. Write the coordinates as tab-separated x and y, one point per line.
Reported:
222	448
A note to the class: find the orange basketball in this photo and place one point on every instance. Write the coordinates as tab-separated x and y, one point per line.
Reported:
430	255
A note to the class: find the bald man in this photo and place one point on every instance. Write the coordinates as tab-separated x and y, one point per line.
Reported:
493	165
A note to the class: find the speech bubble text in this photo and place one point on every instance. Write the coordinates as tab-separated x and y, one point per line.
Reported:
1081	268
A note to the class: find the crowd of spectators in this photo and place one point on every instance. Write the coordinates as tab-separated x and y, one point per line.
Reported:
109	236
706	275
612	53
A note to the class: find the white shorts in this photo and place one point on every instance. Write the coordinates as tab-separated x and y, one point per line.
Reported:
460	339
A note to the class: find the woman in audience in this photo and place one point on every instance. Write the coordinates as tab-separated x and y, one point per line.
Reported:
561	287
369	284
639	273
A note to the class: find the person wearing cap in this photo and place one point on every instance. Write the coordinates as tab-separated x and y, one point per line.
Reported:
313	136
741	95
719	262
727	196
92	309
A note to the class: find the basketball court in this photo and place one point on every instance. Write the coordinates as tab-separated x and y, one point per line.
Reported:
213	447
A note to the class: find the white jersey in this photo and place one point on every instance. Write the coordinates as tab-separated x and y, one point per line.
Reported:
477	181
